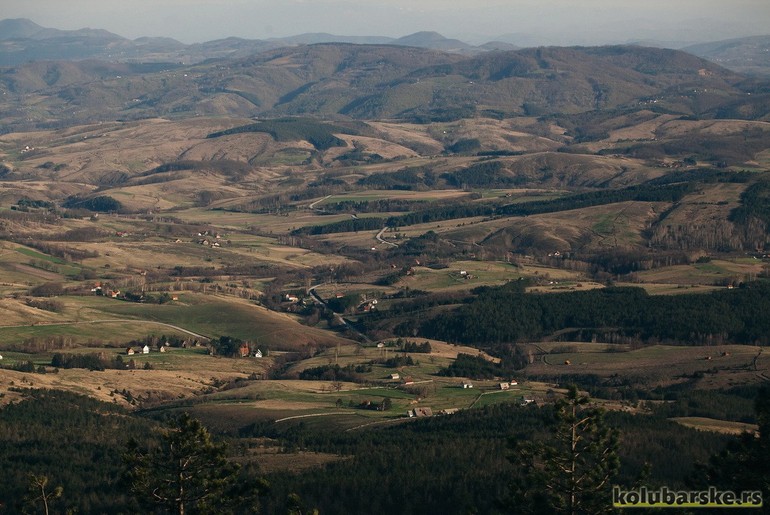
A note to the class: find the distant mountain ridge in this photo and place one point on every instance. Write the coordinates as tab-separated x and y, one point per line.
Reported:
382	82
22	40
749	55
18	28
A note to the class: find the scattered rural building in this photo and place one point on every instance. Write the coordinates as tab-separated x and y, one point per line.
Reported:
395	376
368	306
258	353
146	349
504	386
526	401
466	385
130	351
420	412
513	382
244	350
290	298
449	411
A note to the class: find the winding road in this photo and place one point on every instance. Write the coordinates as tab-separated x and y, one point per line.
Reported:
112	321
381	240
318	300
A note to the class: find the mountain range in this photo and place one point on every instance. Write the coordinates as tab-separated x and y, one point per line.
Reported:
22	40
380	82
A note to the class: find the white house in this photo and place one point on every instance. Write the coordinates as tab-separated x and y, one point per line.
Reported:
146	349
258	354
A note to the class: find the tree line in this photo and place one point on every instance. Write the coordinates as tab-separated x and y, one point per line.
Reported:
508	314
70	453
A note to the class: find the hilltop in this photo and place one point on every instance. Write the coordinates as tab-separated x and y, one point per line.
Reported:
381	82
750	55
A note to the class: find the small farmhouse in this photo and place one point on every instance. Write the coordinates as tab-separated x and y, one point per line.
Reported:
420	412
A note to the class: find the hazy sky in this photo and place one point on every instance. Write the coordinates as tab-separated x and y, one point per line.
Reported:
542	21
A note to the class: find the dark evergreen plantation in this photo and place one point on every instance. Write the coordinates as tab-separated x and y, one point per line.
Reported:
74	441
508	314
452	464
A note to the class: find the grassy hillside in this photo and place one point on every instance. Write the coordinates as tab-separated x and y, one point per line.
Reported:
374	81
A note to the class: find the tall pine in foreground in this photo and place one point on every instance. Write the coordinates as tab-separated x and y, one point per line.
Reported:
186	472
572	471
744	465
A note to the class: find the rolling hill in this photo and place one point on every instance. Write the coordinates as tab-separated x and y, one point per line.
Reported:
382	81
750	55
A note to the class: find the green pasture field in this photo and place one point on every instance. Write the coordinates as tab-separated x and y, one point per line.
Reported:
370	195
284	157
13	279
283	403
714	425
59	265
671	289
709	273
481	272
425	367
108	334
38	255
214	316
206	315
513	395
718	365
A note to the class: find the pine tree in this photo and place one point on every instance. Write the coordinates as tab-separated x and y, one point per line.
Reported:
572	471
743	464
185	472
38	492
